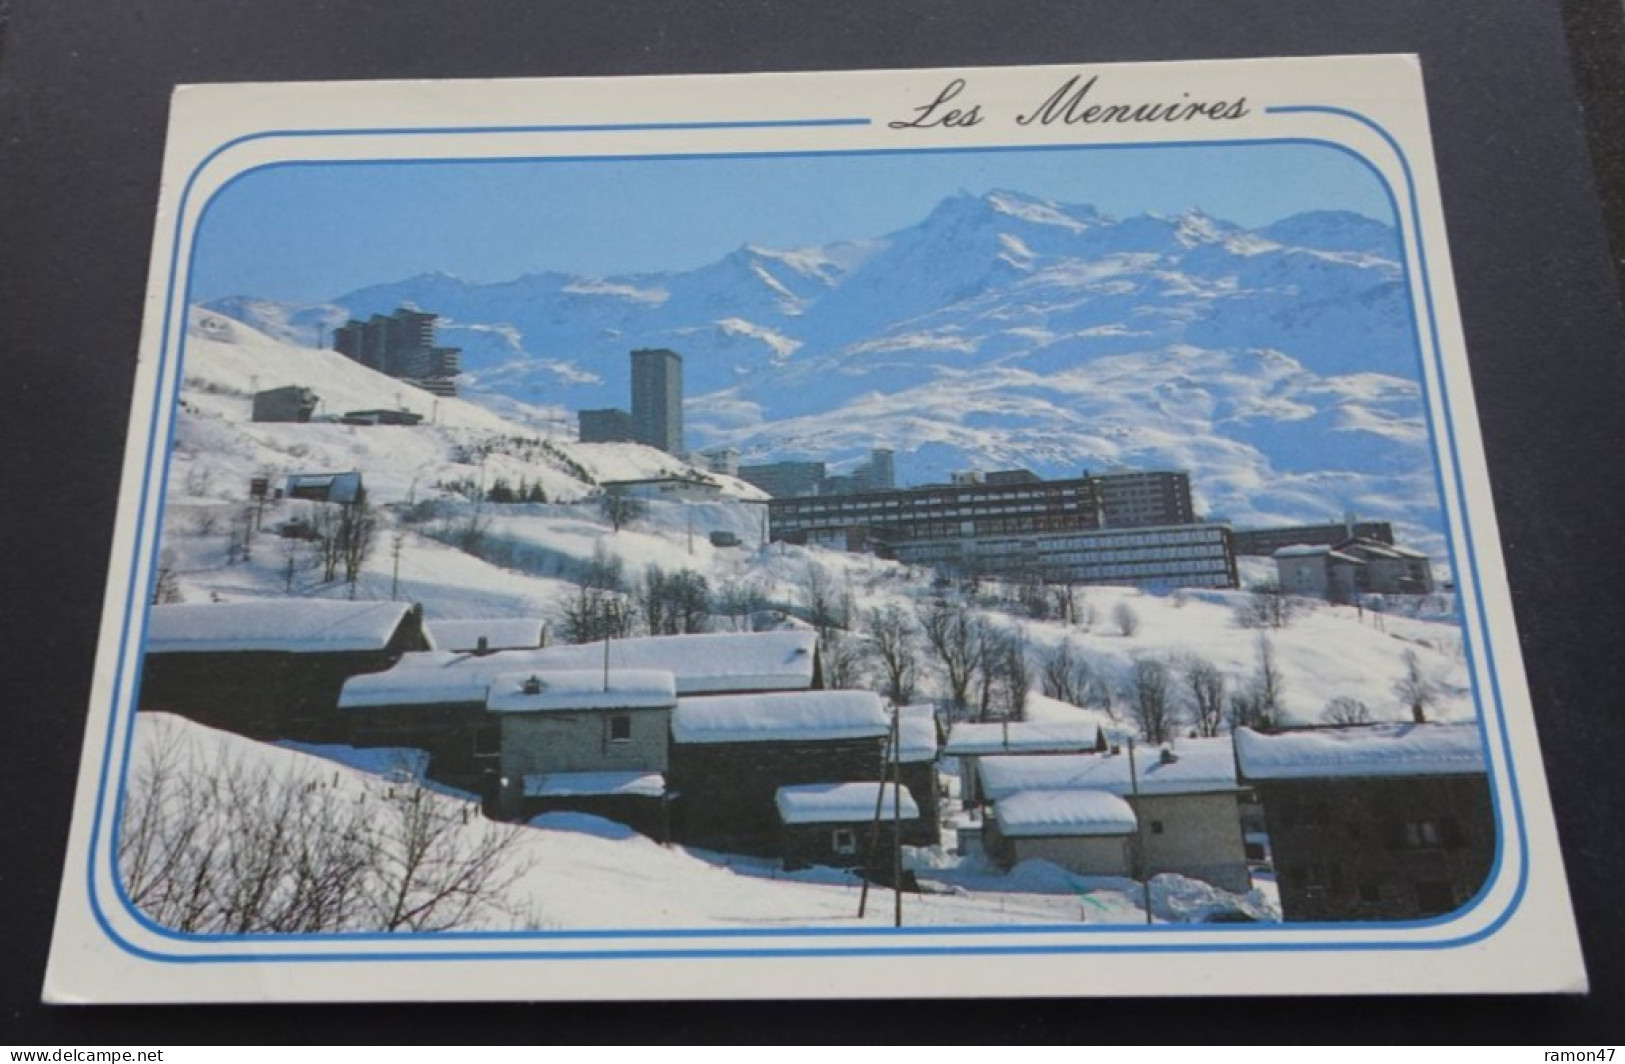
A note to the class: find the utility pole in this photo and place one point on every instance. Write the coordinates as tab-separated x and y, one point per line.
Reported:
897	814
1139	832
395	575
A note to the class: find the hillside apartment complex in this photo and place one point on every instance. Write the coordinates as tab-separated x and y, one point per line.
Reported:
401	345
1122	528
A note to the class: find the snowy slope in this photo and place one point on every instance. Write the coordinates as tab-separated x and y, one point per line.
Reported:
584	872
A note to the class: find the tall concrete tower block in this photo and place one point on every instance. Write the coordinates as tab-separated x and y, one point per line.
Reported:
657	399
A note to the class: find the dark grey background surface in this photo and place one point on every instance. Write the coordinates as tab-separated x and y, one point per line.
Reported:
1514	87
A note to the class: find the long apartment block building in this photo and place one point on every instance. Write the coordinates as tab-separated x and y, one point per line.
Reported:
942	511
402	345
1194	555
1129	528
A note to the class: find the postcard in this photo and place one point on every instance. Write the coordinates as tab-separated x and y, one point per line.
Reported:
959	532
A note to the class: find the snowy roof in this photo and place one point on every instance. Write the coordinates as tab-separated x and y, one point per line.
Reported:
780	717
309	626
582	784
1028	737
917	733
506	633
1027	814
703	664
1368	751
574	689
839	803
424	678
1201	766
1301	550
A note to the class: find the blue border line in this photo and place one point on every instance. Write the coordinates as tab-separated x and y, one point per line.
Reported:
1252	931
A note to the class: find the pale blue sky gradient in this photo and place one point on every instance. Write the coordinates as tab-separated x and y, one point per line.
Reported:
312	232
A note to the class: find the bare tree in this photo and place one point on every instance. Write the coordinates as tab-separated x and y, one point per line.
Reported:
1258	705
228	845
894	647
1065	674
619	509
955	639
1344	711
1267	605
841	657
1126	619
1004	674
828	606
676	603
737	598
1416	689
1151	700
1205	686
595	613
357	529
166	584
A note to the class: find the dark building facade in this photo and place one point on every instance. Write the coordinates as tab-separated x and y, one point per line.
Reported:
1385	822
401	345
944	511
273	669
1167	556
657	399
1140	500
785	480
1263	542
291	403
605	426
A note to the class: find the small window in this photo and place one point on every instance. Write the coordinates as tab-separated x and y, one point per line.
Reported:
1156	827
843	841
620	728
488	741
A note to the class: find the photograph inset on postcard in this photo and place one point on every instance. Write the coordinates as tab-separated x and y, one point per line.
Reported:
983	538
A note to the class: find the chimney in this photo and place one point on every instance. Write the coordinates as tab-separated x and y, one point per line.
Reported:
533	685
482	647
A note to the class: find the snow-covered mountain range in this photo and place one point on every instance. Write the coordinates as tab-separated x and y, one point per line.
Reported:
1276	364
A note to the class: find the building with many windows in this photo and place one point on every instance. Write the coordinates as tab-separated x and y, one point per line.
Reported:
401	345
785	480
657	399
1165	556
1139	500
605	426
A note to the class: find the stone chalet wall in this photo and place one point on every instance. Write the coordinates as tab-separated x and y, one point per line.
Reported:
802	845
1200	837
727	789
1399	848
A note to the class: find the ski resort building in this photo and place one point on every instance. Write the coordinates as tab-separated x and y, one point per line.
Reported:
1353	567
270	669
291	403
604	426
1377	822
844	825
1015	525
785	480
401	345
731	754
657	399
1143	500
1264	542
1184	803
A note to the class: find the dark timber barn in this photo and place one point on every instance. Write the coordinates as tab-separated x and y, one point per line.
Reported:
270	669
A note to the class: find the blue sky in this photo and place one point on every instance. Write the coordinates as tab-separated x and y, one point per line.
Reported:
315	231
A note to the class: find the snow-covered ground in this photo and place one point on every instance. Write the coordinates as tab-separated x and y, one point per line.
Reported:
580	871
462	558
